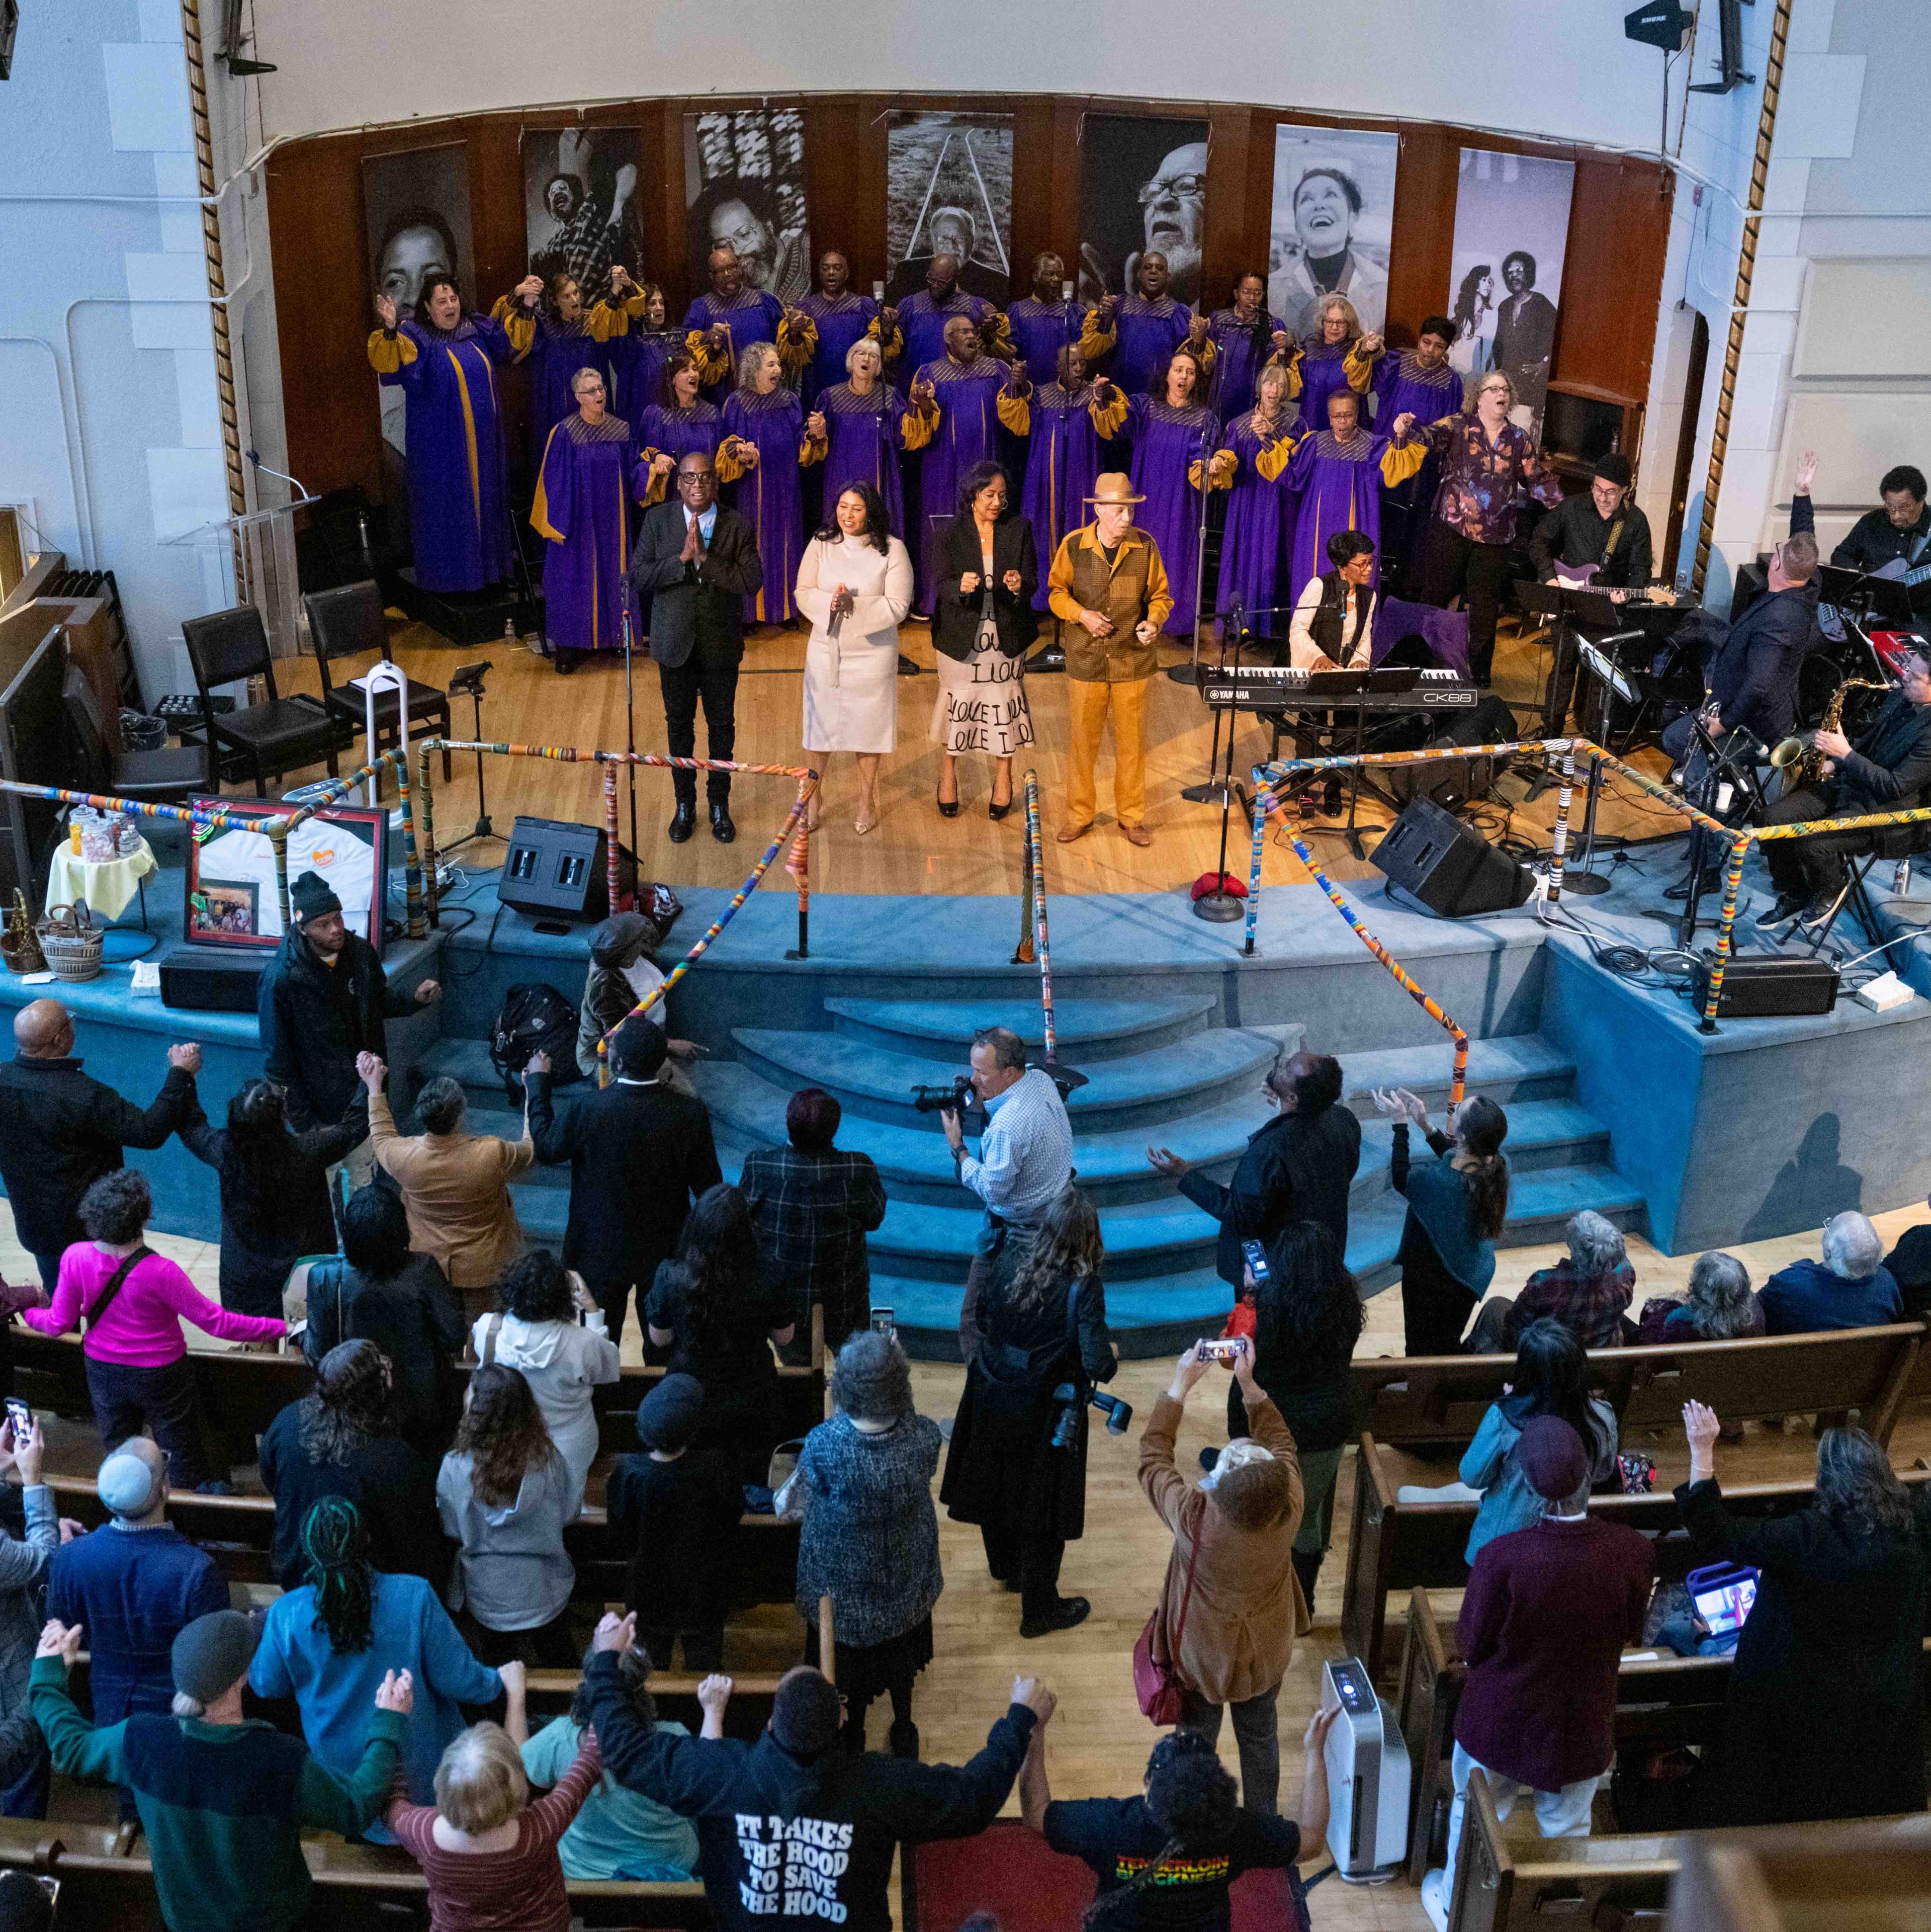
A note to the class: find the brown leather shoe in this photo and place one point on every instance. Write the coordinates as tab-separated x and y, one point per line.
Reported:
1138	835
1068	833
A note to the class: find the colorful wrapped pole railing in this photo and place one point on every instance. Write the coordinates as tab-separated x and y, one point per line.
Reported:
1035	870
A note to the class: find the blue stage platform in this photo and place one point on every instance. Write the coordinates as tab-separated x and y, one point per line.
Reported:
1617	1101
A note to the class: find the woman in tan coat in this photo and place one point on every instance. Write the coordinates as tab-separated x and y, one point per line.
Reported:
1236	1529
455	1185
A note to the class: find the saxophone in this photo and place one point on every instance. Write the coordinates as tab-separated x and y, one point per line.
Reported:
1798	757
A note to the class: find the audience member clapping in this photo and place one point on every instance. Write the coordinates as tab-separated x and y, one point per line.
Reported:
1718	1306
1588	1291
504	1494
1831	1658
341	1440
1850	1288
715	1311
537	1332
134	1302
870	1537
675	1509
321	1645
381	1290
617	1833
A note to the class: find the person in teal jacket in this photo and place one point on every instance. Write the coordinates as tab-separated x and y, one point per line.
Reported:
223	1800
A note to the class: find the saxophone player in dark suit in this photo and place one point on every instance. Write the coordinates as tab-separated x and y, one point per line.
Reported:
697	559
1885	769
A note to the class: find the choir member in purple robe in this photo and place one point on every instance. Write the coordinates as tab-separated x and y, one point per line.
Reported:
924	319
861	421
1141	331
559	336
720	326
1419	383
1338	473
764	445
1040	325
961	400
588	474
841	317
444	363
1244	336
682	421
1337	356
1254	551
1176	461
1070	417
638	355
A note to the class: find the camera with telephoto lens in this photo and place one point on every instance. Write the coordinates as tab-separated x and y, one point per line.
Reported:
954	1099
1066	1428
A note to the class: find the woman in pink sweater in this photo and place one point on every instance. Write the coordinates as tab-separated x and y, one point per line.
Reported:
489	1854
136	1370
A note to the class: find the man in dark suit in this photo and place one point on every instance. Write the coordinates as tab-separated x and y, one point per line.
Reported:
61	1131
1299	1167
639	1153
1886	769
1524	331
697	561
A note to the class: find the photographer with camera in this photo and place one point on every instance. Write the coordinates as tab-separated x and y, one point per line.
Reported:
1025	1159
1018	1463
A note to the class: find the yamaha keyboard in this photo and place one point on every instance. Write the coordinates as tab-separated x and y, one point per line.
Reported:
1287	687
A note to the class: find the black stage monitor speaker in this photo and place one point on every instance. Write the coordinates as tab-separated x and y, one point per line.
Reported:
1765	986
1490	722
1448	866
555	866
213	979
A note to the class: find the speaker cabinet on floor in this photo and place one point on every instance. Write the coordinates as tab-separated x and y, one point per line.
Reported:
1448	866
1766	985
560	868
1490	722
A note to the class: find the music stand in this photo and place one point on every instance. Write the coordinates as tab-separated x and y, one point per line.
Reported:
1883	603
467	681
1220	788
1611	683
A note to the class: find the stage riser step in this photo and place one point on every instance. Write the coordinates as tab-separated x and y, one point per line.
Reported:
1086	1031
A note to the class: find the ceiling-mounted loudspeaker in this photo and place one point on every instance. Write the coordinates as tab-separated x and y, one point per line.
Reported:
10	25
1661	24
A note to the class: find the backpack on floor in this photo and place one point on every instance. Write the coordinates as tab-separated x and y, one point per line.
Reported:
534	1019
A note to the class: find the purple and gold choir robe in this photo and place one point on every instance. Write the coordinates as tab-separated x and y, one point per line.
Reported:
1340	486
1319	370
1062	462
1170	449
1239	349
770	497
922	326
1038	332
673	432
553	351
754	316
458	486
1255	550
973	401
863	436
637	359
836	326
1402	387
1143	333
584	485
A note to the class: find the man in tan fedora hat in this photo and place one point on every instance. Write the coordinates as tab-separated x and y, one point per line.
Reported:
1108	588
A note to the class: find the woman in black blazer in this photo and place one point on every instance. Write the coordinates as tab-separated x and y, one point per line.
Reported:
987	570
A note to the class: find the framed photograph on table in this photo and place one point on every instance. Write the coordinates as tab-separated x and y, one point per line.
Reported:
233	899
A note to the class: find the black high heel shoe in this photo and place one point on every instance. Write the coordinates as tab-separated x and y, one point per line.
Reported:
945	810
995	811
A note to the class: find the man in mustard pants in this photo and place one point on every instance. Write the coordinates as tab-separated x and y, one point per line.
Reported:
1108	588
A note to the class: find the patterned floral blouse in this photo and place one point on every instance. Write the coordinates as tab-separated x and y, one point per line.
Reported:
1484	484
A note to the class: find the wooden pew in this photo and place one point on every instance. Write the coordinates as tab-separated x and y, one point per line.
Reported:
1398	1546
1412	1401
1812	1878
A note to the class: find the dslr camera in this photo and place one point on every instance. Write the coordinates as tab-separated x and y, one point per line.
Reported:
1066	1427
954	1099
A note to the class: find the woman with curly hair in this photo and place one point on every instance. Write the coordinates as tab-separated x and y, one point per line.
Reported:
341	1440
504	1494
321	1644
1168	1857
1042	1322
713	1309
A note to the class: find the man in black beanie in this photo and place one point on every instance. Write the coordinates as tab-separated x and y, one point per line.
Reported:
322	1002
802	1828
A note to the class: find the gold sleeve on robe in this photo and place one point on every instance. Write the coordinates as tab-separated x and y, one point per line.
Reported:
389	353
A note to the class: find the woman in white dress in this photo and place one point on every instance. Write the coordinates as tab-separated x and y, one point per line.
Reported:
855	587
1473	351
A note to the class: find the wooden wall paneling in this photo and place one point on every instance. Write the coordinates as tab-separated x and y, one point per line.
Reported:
649	118
1036	227
1619	235
844	190
1422	245
681	279
1068	208
1257	232
1225	253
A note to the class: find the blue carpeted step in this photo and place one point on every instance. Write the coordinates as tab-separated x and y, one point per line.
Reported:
501	1121
1542	1134
1516	1066
1084	1031
1143	1239
1148	1088
467	1061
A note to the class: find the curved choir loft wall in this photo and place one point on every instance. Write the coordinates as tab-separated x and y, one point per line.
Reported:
1617	240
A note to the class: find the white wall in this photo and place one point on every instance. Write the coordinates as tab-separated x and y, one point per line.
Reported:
1558	68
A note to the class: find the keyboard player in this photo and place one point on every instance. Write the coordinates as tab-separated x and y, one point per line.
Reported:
1334	629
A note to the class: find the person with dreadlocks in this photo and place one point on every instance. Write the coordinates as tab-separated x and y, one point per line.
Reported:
1041	1324
321	1644
1168	1859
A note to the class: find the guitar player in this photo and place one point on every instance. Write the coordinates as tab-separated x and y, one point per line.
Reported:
1894	541
1597	536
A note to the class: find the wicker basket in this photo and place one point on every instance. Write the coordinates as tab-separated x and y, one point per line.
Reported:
72	942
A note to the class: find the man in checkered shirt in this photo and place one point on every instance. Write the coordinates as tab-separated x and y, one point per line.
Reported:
813	1204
